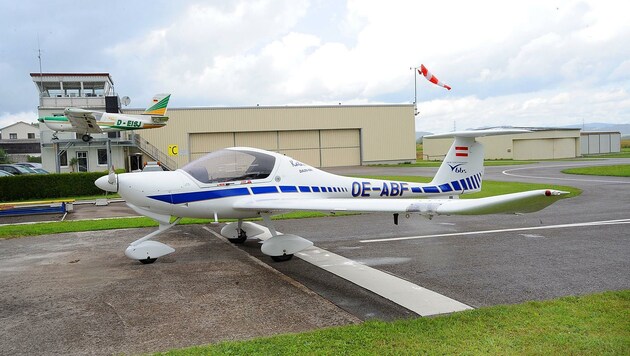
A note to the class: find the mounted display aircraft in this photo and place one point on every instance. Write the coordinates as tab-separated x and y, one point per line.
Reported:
243	183
86	122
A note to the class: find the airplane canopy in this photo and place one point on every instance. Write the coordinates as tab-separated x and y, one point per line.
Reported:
231	165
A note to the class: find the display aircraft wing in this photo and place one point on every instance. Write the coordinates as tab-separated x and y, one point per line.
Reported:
82	120
515	203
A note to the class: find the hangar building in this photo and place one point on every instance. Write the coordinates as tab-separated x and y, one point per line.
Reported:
321	136
541	143
598	142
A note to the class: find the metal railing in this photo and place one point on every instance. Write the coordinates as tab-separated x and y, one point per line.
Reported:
154	152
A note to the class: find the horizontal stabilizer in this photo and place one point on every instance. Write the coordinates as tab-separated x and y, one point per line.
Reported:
159	119
479	133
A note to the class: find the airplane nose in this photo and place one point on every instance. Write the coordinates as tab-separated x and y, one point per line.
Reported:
104	184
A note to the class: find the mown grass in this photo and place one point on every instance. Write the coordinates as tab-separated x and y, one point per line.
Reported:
596	324
621	170
624	153
57	227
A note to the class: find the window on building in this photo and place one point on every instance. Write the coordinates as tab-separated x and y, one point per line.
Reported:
12	136
63	159
102	156
31	135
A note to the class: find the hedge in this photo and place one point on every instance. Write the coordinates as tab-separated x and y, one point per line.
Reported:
49	186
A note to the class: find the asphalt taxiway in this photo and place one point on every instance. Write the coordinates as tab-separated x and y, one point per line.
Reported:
77	293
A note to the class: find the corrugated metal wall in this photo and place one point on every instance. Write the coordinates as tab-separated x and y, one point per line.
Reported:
542	144
319	148
600	142
332	135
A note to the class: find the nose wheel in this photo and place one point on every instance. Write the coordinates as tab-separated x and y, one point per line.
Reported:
148	261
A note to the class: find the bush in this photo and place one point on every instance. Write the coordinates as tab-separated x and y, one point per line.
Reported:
49	186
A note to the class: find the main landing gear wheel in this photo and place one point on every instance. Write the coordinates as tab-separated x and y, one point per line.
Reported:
148	261
282	258
242	236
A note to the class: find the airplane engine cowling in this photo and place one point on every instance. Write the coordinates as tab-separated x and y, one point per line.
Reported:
148	249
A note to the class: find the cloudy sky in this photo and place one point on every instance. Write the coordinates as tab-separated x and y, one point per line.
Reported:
519	63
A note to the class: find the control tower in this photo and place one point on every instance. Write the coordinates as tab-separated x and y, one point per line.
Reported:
90	91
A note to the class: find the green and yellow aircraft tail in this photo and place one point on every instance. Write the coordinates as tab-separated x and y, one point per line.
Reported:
158	105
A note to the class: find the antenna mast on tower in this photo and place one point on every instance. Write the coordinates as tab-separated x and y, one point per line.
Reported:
41	75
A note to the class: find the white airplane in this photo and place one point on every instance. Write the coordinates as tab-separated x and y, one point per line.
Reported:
242	183
86	122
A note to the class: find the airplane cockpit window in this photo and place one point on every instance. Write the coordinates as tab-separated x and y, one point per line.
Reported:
230	166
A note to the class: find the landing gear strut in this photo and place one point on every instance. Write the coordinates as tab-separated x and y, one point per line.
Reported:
147	251
241	234
280	247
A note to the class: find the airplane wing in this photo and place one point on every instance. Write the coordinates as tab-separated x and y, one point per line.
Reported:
524	202
83	121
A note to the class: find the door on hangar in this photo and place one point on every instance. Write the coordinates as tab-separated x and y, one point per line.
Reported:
318	148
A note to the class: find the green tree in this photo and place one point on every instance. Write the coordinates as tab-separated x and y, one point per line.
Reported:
4	157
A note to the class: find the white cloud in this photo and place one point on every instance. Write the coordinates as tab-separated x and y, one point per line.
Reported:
505	60
542	109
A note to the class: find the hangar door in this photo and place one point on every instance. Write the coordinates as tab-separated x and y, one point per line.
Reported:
318	148
545	148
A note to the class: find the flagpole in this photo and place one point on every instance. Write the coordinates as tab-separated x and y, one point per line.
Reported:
415	91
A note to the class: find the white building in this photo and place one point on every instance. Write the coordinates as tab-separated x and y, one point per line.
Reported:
91	91
20	140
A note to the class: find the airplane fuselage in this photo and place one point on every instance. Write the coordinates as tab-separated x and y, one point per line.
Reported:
178	193
108	122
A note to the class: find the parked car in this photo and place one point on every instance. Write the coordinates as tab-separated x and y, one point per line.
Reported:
41	171
16	169
4	173
33	165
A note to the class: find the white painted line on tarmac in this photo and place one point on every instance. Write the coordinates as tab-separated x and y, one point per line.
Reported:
418	299
561	226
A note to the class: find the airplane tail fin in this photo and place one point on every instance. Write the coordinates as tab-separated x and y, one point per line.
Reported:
462	168
158	105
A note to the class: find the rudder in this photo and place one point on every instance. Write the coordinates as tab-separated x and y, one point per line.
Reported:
462	168
158	105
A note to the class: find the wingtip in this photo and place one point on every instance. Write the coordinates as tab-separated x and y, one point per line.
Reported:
553	192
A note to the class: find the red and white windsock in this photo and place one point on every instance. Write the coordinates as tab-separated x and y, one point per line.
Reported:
430	77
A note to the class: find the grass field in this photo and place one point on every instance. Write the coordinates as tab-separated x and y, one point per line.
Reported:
587	325
622	170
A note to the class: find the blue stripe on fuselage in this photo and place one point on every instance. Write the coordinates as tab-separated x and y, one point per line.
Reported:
180	198
264	190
